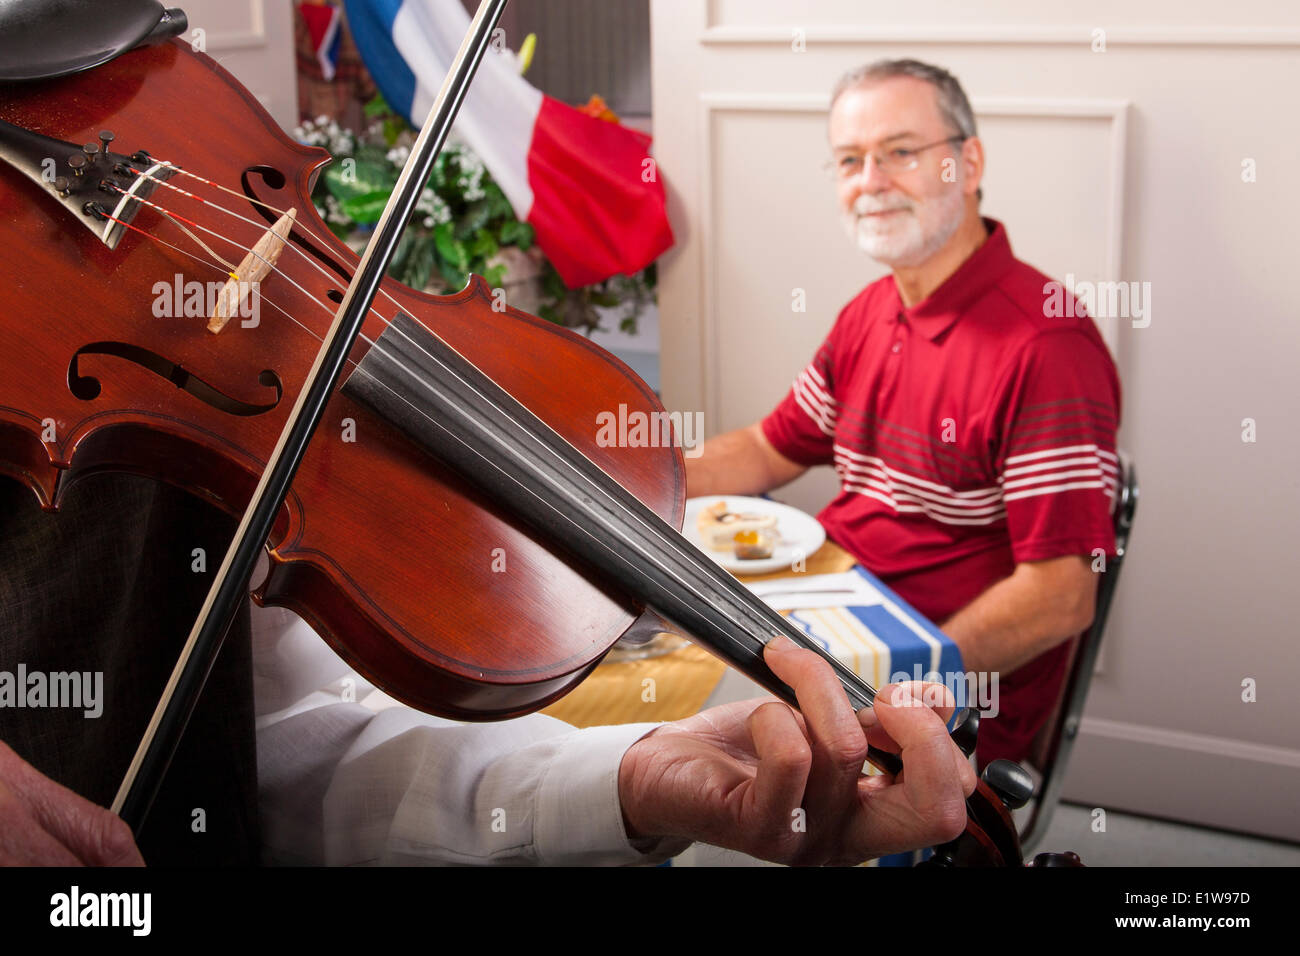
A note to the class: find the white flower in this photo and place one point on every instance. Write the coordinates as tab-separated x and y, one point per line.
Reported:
334	212
436	211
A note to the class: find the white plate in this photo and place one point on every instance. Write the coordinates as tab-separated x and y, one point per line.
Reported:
800	534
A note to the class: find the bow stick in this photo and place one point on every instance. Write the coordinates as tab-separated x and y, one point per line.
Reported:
181	694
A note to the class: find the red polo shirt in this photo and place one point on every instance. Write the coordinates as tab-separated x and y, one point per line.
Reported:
970	432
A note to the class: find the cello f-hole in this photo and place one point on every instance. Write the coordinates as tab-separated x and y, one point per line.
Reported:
88	388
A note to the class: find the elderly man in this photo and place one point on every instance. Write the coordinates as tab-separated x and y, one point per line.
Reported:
974	435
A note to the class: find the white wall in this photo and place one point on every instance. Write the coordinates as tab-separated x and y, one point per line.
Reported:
1124	164
253	39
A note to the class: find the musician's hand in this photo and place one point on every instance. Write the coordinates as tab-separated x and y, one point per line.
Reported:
758	777
44	824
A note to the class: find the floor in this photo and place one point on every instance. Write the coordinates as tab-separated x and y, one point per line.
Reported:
1127	841
1141	841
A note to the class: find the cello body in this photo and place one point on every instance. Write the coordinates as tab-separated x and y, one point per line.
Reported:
419	574
412	574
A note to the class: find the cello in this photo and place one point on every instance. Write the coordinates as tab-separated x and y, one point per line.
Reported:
470	423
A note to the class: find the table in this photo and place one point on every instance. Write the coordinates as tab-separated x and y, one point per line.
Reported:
689	679
617	692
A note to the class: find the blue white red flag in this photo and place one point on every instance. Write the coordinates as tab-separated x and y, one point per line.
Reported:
588	186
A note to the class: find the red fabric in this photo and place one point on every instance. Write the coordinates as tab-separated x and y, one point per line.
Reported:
970	432
594	213
323	21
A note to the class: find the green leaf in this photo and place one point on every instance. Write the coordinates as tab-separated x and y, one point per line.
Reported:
554	286
420	267
451	250
365	209
476	217
549	314
358	177
516	233
393	128
377	106
484	245
497	200
456	278
397	268
495	275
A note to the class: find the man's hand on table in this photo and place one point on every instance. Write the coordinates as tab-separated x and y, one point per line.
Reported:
734	776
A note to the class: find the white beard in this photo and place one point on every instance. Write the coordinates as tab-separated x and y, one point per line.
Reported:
907	238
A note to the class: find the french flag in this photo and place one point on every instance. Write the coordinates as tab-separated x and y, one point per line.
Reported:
587	186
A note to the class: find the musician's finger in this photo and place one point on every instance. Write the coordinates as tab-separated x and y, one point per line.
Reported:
839	745
784	759
928	804
92	834
32	846
936	697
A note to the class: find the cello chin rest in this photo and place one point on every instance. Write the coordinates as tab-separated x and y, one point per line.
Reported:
44	39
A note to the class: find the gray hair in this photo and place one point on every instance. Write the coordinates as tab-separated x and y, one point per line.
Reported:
954	107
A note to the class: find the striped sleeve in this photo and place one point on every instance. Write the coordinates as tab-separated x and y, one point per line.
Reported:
802	427
1056	459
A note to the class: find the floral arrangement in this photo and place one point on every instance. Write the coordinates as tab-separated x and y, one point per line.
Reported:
463	221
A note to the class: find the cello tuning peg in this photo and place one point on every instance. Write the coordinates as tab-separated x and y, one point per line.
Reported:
105	137
92	151
1010	781
77	163
966	730
61	185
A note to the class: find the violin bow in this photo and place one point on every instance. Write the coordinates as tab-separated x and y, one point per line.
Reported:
230	585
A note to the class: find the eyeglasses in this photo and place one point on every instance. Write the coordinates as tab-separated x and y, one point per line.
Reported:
896	160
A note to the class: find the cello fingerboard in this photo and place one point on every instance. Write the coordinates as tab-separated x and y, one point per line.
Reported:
448	407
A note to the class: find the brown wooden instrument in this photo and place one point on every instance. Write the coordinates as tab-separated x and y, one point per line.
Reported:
469	559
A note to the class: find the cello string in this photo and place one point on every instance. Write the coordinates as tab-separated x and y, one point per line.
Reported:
230	212
288	315
231	268
657	532
274	268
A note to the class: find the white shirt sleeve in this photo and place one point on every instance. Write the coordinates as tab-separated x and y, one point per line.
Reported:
348	776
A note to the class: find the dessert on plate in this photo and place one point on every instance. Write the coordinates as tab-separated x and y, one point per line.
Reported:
718	526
